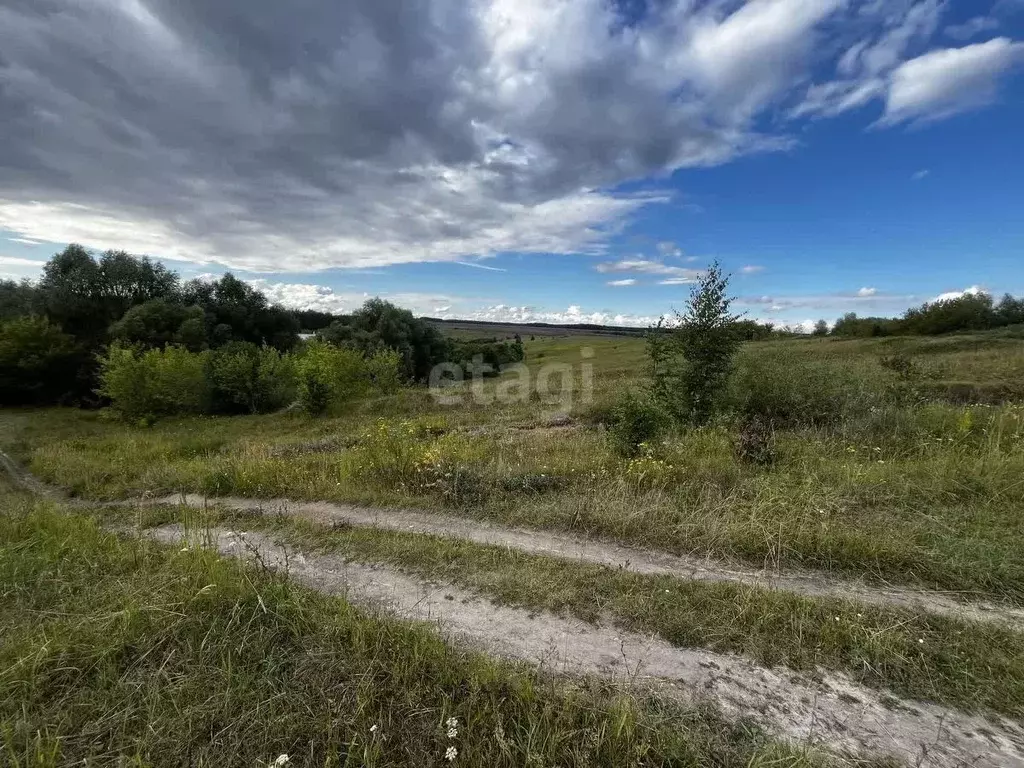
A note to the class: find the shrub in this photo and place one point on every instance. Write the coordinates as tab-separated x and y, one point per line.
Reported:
38	362
384	371
145	384
788	391
248	378
637	421
755	443
329	376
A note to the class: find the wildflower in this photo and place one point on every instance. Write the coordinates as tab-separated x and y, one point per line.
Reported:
373	728
920	640
281	761
450	754
453	727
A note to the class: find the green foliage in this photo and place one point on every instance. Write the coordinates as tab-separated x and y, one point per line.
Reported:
788	390
18	299
85	296
329	376
820	328
378	324
37	361
486	356
851	326
637	420
159	322
703	347
246	378
146	384
235	311
970	312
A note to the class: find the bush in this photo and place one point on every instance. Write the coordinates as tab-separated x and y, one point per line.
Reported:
789	391
38	362
329	376
637	420
755	443
146	384
246	378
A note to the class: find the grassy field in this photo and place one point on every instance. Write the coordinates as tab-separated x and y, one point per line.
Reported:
119	652
890	480
894	462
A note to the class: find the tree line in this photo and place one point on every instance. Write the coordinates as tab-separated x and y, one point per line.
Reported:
969	312
92	331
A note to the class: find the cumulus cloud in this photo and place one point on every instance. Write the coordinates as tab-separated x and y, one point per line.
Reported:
373	132
974	290
946	82
443	306
866	291
649	267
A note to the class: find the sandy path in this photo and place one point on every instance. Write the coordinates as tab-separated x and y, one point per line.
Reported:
832	712
600	552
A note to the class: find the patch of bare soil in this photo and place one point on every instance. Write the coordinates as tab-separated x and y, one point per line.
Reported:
552	544
830	711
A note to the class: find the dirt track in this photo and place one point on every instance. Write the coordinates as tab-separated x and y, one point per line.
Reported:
564	546
829	710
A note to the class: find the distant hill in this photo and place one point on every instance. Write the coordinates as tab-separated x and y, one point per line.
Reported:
489	328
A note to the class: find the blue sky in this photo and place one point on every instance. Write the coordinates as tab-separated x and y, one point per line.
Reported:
573	161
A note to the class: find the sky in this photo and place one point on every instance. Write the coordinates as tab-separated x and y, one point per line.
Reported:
525	160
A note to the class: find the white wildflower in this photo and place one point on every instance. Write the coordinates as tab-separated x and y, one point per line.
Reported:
450	754
281	761
373	728
452	724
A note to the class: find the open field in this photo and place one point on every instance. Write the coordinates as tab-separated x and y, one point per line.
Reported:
879	547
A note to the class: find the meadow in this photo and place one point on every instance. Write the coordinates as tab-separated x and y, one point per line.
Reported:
895	463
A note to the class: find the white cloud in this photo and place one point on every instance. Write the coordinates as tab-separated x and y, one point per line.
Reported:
751	269
434	131
974	290
15	267
945	82
678	281
626	281
865	292
972	27
648	267
443	306
918	175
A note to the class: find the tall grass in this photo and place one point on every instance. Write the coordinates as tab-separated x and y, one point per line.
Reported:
116	652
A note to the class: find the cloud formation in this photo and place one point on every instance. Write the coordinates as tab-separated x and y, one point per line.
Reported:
443	306
269	137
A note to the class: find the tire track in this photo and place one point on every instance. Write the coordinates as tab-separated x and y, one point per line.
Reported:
830	711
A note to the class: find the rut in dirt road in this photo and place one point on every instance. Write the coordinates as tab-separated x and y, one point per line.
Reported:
831	712
600	552
568	547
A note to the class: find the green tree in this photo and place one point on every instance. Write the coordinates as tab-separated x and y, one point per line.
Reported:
146	384
820	328
18	299
704	346
159	322
246	378
38	362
